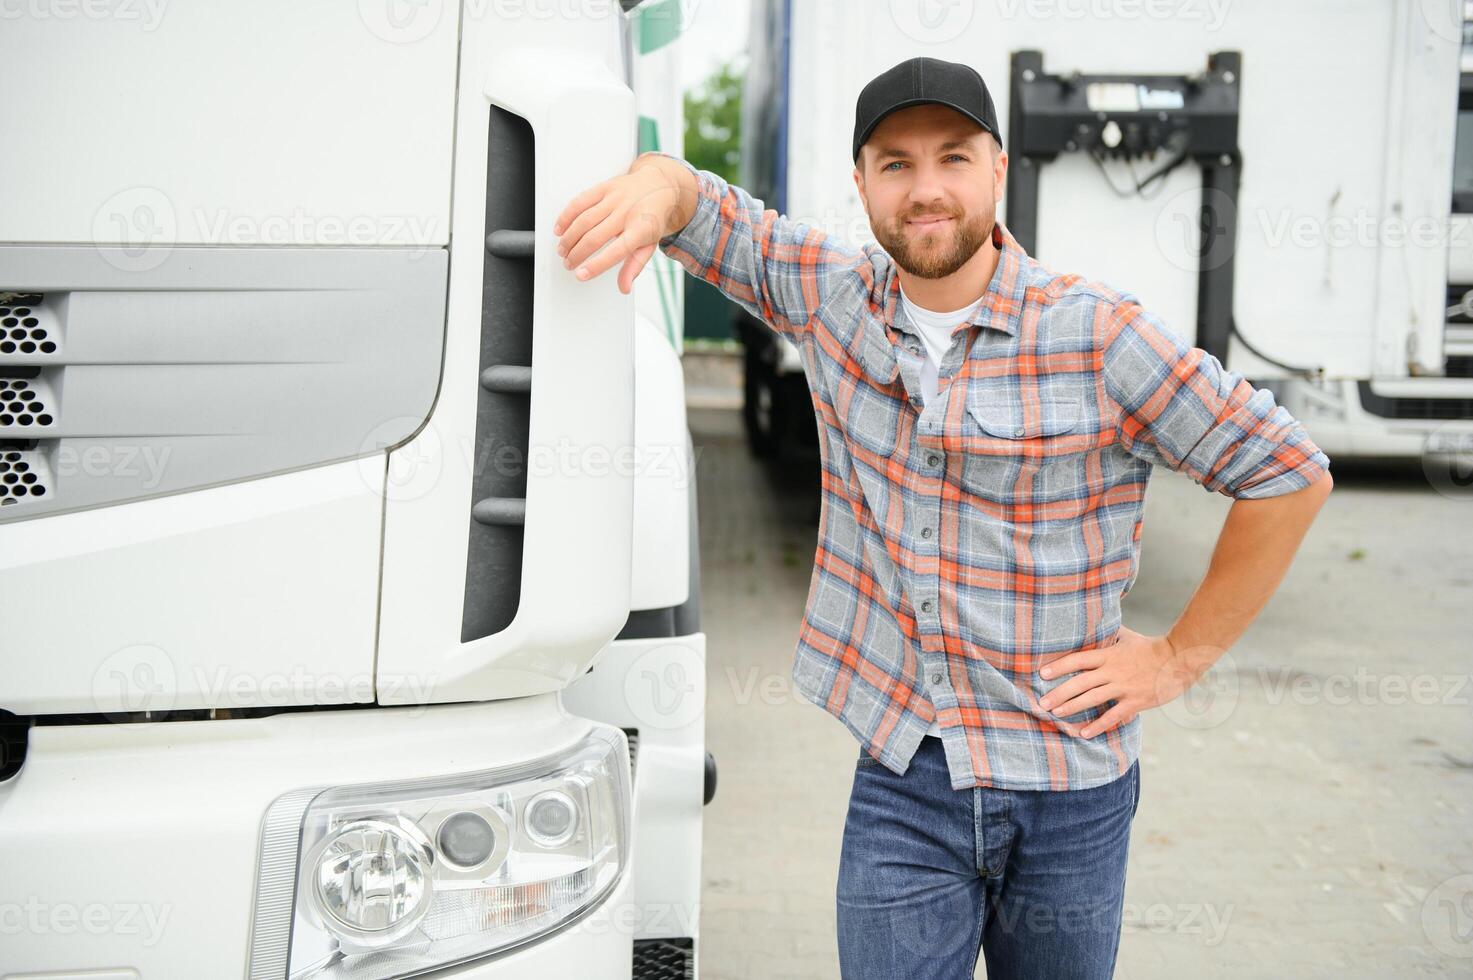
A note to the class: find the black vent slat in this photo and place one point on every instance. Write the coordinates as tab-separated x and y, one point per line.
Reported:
507	378
506	243
500	510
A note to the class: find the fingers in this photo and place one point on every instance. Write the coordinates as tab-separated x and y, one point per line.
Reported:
581	237
580	203
633	266
616	251
1090	698
1116	716
1072	688
1070	662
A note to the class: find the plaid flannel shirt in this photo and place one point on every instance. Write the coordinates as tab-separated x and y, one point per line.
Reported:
964	543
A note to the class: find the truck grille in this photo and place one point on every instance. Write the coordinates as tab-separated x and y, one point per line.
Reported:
664	959
24	477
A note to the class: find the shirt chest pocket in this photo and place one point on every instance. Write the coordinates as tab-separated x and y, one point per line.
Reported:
1014	451
871	399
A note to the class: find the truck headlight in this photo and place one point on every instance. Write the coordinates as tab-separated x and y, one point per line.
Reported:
389	880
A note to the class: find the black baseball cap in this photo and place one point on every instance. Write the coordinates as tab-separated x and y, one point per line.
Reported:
918	81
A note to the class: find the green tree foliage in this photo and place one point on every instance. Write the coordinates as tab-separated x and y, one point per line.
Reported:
713	123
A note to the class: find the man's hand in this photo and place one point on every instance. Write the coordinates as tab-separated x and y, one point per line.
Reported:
1137	672
624	218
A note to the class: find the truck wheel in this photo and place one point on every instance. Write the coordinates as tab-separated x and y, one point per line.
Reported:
763	411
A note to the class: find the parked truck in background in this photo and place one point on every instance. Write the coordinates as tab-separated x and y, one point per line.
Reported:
1305	227
348	594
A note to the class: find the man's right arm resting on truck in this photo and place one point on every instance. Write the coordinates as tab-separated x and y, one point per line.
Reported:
772	266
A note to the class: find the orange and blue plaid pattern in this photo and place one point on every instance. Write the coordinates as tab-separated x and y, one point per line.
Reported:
964	543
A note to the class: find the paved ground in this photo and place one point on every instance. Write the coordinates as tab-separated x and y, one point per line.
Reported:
1309	814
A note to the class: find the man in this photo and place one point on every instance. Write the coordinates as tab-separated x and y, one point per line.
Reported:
988	427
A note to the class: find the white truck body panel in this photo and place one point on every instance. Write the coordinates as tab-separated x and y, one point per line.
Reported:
576	557
1334	133
226	127
162	583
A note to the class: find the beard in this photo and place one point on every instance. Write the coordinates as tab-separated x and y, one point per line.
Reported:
934	254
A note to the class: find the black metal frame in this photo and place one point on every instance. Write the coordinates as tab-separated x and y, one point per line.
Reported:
1051	114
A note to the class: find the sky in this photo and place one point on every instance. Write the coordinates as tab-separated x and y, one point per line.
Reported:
717	32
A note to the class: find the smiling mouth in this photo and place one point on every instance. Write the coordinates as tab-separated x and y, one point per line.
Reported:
927	224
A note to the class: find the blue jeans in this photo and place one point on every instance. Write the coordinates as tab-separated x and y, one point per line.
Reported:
930	876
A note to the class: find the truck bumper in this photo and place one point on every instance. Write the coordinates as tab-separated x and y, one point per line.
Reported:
133	848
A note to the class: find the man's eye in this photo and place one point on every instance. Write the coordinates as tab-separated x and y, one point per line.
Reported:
890	164
958	156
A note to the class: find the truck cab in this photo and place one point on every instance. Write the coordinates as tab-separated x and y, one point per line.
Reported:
349	615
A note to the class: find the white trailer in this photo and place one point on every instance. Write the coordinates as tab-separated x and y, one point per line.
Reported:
348	606
1324	253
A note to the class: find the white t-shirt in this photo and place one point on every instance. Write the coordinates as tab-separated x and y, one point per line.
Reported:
935	331
936	338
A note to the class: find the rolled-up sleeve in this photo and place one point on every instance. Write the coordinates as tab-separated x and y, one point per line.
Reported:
777	269
1176	405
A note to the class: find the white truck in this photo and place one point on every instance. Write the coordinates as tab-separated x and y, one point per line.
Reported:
1277	180
348	592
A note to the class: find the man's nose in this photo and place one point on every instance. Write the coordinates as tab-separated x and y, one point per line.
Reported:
925	188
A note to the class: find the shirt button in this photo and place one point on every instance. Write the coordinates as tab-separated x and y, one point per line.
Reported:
936	678
926	606
933	460
1018	432
925	532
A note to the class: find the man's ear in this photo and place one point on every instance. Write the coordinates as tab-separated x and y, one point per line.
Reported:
859	182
